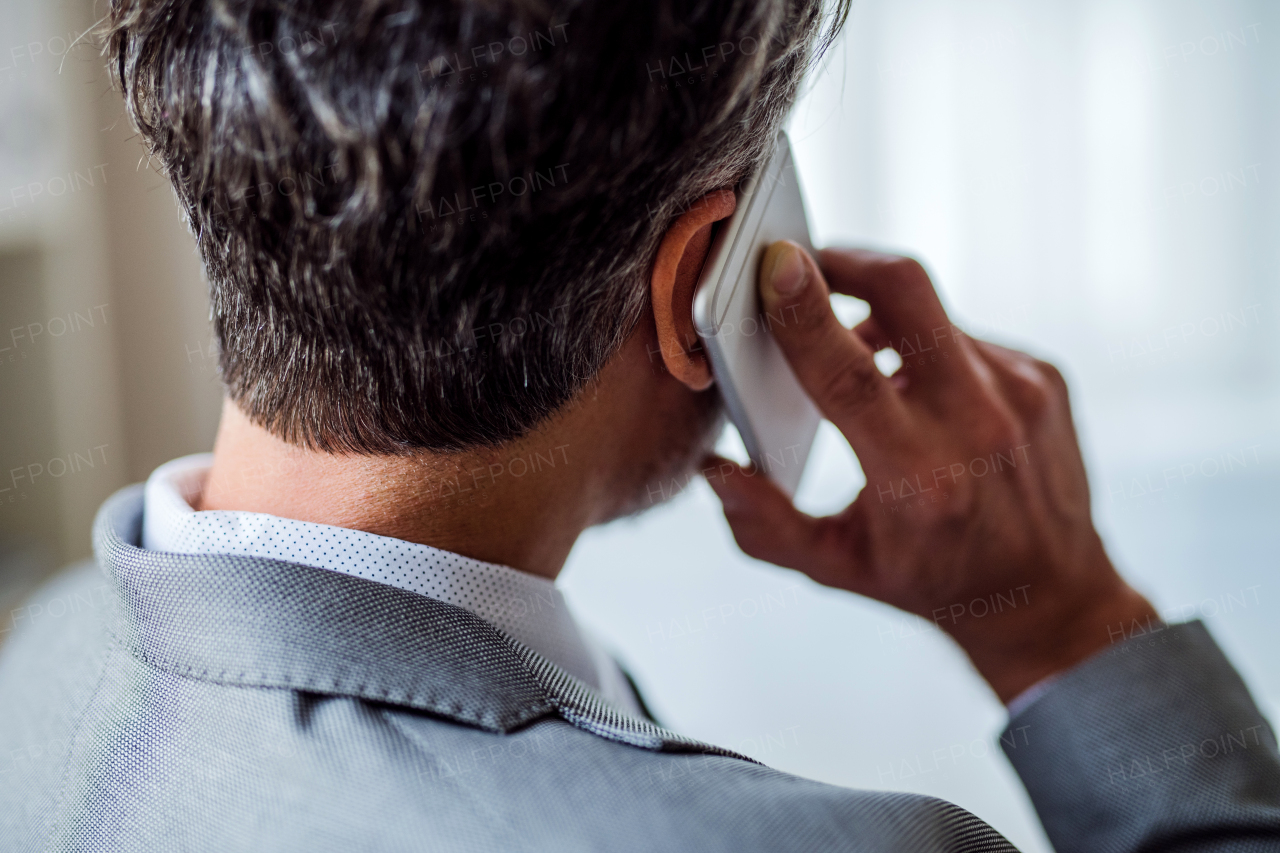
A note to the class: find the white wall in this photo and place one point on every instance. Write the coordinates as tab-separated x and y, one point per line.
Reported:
105	363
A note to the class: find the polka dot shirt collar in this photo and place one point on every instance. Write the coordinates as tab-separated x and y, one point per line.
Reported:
526	607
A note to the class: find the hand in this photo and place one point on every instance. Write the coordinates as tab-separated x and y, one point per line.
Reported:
975	515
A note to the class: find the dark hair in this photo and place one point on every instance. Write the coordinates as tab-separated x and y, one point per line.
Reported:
427	224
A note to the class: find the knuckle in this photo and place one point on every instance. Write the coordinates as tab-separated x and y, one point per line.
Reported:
906	269
814	314
953	517
747	541
1051	373
799	318
1036	398
1033	386
852	386
1031	394
1053	383
998	431
755	542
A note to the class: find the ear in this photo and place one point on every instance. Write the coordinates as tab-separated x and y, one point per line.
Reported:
683	251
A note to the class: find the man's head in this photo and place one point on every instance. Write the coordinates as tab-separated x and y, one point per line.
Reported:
428	225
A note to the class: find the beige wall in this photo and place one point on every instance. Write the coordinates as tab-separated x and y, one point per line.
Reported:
111	372
168	379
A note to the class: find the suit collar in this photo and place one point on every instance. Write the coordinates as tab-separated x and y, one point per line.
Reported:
521	605
252	622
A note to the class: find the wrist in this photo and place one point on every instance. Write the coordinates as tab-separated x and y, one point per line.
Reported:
1063	631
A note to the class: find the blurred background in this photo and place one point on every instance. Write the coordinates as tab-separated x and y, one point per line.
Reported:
1094	182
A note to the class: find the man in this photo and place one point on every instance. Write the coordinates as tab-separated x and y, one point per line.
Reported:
451	250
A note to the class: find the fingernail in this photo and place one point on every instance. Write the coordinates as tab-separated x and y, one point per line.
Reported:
788	273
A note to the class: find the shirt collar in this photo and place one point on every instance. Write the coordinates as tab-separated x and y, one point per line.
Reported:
527	607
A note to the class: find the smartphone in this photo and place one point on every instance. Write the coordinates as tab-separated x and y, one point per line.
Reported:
774	416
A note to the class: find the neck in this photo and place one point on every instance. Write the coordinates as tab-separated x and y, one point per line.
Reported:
522	505
630	434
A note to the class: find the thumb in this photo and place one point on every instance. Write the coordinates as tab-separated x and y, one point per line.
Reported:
833	364
767	526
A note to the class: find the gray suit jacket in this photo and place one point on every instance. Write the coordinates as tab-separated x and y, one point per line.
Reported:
170	702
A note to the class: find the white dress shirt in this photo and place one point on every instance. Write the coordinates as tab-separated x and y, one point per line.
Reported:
524	606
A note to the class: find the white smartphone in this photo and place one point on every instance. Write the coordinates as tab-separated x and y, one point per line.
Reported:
774	416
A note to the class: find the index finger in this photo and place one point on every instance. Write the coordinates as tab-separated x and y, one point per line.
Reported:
902	299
